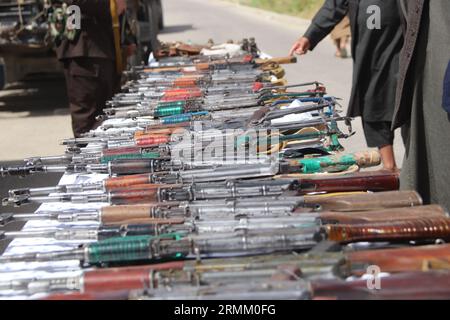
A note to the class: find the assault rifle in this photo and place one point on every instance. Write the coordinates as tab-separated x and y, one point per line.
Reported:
240	63
404	286
208	222
133	249
185	173
311	266
361	181
172	246
150	276
187	227
349	209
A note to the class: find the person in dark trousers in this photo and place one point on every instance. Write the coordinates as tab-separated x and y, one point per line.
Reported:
89	63
375	52
423	100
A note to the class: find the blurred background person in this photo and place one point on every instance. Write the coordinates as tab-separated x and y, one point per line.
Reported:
341	37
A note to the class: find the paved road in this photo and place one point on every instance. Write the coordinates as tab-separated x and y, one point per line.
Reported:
200	20
34	117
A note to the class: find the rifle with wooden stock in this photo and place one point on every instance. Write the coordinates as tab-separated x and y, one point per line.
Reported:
178	273
232	189
171	246
212	172
361	181
309	266
204	223
375	210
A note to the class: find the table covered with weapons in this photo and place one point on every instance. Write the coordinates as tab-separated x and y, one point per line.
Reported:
211	177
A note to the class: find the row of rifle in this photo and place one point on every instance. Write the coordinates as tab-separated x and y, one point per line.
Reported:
220	181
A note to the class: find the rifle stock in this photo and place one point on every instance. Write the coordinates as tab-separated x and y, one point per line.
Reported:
366	201
367	181
127	181
423	258
388	215
137	196
420	229
415	285
279	60
119	214
337	208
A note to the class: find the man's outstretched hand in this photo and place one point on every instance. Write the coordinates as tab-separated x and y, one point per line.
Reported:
300	47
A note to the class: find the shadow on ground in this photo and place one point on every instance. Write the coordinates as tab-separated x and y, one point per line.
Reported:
38	94
8	183
177	28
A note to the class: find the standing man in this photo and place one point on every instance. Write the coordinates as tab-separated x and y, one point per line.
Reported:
423	99
377	39
90	62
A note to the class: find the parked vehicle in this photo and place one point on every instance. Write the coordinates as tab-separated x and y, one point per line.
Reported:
25	46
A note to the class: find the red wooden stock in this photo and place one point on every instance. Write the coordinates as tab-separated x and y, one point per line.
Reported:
417	285
420	229
134	196
131	278
421	258
126	181
366	201
120	151
368	181
134	214
394	215
152	141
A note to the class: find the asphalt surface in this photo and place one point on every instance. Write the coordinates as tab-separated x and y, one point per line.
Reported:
34	117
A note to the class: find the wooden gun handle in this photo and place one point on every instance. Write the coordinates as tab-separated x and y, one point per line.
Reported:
420	229
152	141
131	214
367	181
366	201
116	214
126	181
397	214
115	279
279	60
120	151
139	196
397	260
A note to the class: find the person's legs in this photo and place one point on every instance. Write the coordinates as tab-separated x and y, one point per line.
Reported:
90	84
337	43
379	135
